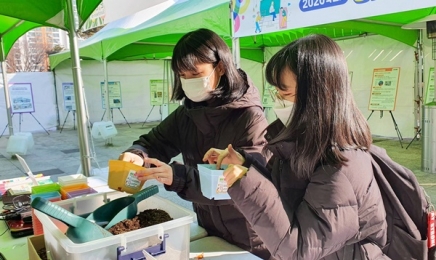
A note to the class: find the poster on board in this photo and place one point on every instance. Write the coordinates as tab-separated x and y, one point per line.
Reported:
156	92
115	100
429	90
68	93
384	88
252	17
21	97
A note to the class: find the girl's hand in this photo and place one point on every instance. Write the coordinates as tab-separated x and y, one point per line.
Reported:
163	173
234	173
227	156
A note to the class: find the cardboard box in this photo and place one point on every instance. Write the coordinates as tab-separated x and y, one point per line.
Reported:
34	244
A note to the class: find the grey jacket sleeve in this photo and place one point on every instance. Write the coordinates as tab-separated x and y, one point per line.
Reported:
323	222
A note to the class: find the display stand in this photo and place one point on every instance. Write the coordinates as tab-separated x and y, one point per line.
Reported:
415	137
74	120
148	115
400	137
6	126
112	116
20	119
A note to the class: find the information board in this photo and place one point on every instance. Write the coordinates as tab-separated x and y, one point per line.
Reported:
68	93
115	100
156	92
384	89
21	97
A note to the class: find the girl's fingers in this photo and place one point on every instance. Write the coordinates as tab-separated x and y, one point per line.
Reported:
153	161
210	153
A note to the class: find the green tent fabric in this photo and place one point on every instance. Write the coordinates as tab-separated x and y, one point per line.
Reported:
180	18
48	12
10	30
156	37
19	16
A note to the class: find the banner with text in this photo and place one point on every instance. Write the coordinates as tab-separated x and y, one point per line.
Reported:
384	89
251	17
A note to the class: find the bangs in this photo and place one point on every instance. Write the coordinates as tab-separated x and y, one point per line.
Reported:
187	56
274	69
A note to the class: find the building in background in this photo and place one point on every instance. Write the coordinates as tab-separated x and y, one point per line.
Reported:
30	52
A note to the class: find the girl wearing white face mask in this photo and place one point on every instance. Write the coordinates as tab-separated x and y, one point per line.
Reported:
283	108
216	96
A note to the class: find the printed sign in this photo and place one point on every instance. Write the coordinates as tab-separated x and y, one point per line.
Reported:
251	17
384	89
156	92
429	91
21	97
69	99
115	100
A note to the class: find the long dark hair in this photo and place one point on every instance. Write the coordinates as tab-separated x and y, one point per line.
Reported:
326	119
205	46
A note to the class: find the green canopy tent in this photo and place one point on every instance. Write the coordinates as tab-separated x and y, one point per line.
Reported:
180	18
18	17
156	37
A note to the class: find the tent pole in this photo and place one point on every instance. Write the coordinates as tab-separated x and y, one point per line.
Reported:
236	51
82	119
106	99
6	87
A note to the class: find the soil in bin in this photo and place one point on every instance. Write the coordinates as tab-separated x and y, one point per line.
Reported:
144	219
42	253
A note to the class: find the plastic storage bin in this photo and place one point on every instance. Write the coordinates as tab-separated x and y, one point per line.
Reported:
178	231
36	223
72	188
72	179
77	193
212	182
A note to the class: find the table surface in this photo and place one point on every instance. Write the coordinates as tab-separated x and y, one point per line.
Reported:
12	248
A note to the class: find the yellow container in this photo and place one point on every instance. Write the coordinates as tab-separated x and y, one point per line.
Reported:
122	176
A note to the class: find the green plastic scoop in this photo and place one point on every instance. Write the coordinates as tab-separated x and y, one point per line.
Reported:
121	208
80	230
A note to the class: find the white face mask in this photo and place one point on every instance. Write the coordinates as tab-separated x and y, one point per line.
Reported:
283	110
198	89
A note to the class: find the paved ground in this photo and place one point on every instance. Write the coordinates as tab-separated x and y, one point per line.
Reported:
58	154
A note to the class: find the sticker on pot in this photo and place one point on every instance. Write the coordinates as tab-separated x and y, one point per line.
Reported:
222	185
131	180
